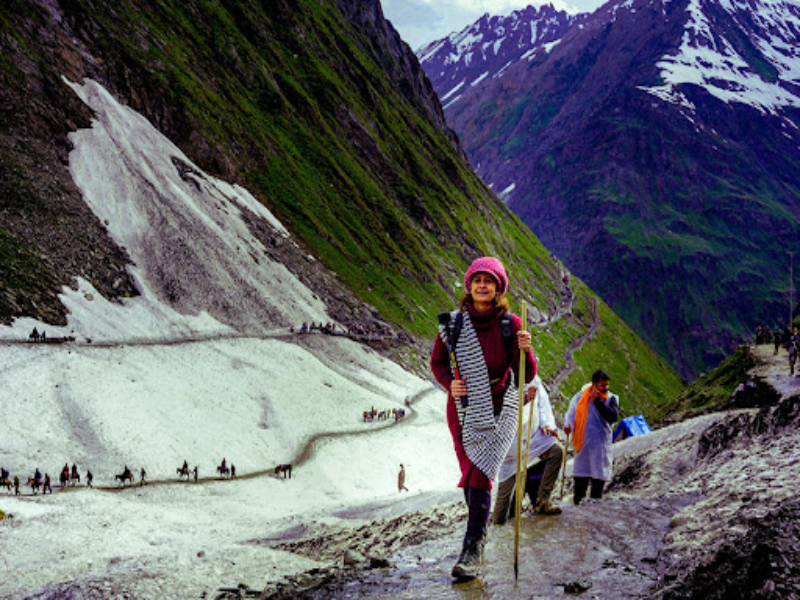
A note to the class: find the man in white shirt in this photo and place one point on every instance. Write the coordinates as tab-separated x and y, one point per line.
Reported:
544	447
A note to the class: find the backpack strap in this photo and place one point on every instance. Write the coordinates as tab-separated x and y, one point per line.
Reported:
458	324
507	331
452	323
450	326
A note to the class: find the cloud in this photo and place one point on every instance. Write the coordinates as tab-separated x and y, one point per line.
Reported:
404	13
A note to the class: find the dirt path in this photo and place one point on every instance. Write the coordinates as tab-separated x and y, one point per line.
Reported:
774	368
308	448
563	374
190	339
302	455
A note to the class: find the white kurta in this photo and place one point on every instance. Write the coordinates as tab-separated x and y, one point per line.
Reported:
594	460
540	442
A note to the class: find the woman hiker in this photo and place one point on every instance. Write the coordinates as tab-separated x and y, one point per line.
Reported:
482	404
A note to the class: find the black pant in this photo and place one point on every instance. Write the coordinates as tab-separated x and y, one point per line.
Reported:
582	483
479	504
532	483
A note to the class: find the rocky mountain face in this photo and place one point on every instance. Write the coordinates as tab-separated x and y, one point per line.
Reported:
399	62
316	108
653	146
288	99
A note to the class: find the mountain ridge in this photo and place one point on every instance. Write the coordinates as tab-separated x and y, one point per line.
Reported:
687	205
289	101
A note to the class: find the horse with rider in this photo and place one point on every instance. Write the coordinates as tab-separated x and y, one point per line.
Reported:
125	477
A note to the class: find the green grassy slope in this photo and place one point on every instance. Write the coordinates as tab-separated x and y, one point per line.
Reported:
292	100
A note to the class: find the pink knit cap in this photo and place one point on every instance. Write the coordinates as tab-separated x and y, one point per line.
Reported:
490	265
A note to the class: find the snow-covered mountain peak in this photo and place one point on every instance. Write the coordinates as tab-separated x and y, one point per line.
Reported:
491	45
744	52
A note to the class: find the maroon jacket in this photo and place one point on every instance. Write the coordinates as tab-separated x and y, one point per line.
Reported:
487	327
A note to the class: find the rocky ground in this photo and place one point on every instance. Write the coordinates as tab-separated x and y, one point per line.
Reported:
705	508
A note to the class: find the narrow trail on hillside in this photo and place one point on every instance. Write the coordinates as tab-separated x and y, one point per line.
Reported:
305	453
564	373
190	339
308	448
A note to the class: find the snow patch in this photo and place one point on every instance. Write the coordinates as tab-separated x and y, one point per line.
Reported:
196	261
452	91
479	79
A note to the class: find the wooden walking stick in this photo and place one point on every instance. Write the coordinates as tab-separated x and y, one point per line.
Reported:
564	466
520	479
523	471
527	451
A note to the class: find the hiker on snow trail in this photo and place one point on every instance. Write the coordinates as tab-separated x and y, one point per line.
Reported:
401	479
484	342
591	413
543	446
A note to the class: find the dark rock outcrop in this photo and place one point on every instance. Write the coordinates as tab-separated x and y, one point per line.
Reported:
48	235
399	61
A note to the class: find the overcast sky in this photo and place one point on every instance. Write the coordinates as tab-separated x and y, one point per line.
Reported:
422	21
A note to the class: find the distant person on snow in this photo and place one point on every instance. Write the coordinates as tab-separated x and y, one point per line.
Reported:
401	479
590	416
480	397
543	445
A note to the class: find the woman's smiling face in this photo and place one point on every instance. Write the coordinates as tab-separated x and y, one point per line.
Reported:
483	289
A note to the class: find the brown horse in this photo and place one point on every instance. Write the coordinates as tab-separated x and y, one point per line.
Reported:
124	477
183	472
35	484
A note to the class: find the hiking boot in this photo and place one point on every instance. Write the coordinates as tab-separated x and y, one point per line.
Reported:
548	507
470	560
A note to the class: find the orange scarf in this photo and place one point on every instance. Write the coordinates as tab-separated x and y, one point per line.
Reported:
581	412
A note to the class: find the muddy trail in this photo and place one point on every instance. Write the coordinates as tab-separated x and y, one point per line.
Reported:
411	556
702	508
